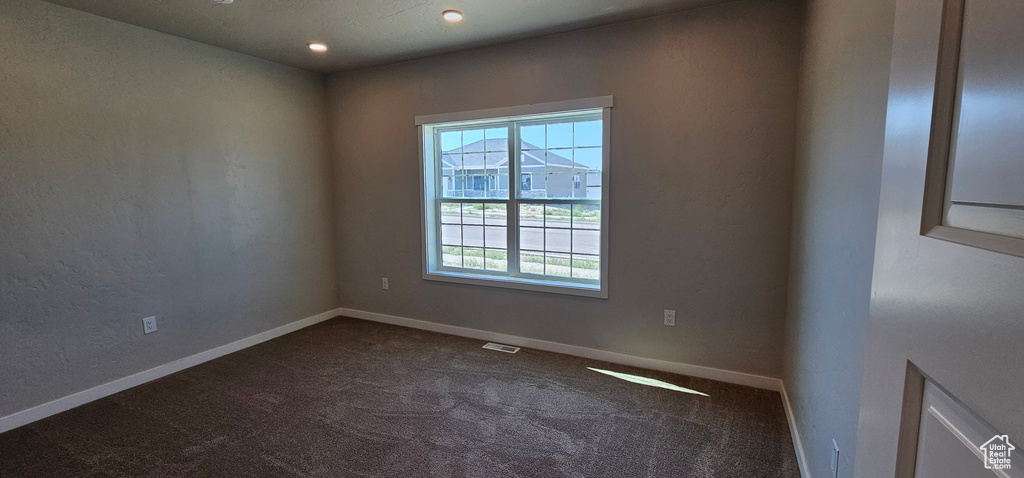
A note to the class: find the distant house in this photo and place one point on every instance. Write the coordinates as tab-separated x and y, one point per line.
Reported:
480	170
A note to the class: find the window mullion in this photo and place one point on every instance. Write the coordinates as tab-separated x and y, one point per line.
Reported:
512	210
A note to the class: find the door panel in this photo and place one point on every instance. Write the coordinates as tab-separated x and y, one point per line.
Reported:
986	164
949	439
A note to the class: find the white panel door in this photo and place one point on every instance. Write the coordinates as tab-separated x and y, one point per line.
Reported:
947	298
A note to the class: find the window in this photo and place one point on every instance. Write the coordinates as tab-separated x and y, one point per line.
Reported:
527	182
516	197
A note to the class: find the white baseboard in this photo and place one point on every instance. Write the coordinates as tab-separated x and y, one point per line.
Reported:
54	407
739	378
798	446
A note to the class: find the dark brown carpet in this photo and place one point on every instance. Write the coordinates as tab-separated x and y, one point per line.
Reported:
353	398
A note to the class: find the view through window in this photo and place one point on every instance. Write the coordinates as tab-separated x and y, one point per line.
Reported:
537	218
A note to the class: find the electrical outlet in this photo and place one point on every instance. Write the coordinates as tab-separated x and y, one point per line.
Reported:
835	459
670	318
149	324
384	283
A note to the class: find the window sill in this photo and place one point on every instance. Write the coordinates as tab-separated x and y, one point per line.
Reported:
519	283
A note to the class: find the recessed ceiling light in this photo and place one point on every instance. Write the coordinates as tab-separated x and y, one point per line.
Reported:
318	47
452	15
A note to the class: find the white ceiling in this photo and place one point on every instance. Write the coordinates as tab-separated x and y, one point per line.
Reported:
366	32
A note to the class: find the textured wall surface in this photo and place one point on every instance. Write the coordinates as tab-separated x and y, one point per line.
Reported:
844	86
143	174
701	168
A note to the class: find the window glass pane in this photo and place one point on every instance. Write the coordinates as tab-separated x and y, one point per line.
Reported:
531	238
531	215
497	139
594	185
557	240
588	164
558	215
559	135
472	258
472	213
586	267
586	241
473	163
450	163
496	237
587	133
559	186
532	137
451	256
477	185
473	236
453	186
587	159
495	161
531	185
497	260
451	213
557	265
531	262
451	140
473	141
496	214
586	216
451	234
558	161
497	187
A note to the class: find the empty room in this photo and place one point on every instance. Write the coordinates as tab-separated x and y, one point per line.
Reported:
531	238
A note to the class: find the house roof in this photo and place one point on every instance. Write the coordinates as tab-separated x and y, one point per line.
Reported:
490	152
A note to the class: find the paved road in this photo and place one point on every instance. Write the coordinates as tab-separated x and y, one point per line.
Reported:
532	237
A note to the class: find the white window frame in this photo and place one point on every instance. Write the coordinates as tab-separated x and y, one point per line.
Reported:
430	196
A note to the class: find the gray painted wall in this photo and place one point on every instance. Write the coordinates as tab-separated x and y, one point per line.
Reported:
702	149
143	174
844	85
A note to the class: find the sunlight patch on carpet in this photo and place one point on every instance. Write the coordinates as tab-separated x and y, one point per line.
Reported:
647	381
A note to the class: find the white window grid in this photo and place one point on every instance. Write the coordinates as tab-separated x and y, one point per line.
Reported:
513	201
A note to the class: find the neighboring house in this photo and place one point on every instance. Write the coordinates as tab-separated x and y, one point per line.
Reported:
480	169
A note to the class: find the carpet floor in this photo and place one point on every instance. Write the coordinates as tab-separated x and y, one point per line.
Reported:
348	397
